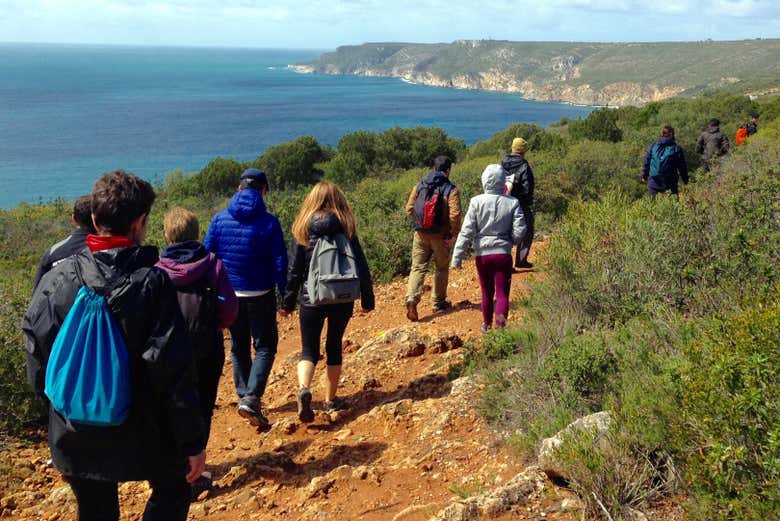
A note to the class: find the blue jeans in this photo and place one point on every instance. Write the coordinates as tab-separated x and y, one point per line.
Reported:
254	326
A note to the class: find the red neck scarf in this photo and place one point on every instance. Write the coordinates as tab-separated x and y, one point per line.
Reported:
107	242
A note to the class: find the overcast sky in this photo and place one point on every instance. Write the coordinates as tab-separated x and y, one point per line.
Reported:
324	24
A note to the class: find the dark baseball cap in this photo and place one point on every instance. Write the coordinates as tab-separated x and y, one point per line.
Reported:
254	178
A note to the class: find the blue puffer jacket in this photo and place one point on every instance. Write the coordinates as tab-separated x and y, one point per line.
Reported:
250	243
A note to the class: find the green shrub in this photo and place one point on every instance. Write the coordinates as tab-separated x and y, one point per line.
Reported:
579	371
346	169
220	177
501	142
18	405
292	164
730	386
600	125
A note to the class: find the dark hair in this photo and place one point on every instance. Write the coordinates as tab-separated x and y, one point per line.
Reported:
253	183
118	199
442	164
714	122
667	131
82	212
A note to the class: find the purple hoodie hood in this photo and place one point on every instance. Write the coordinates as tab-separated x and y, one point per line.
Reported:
187	262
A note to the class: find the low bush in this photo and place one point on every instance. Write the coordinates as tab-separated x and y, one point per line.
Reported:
730	384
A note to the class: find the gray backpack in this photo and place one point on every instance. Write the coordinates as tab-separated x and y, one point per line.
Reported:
333	275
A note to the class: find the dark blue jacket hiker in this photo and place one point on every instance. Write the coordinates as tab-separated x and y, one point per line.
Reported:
250	243
664	165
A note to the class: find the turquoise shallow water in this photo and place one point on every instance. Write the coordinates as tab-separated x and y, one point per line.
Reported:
69	113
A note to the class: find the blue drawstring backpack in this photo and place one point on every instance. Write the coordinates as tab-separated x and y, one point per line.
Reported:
88	373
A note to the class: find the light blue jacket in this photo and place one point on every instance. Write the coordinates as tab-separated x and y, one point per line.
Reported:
494	221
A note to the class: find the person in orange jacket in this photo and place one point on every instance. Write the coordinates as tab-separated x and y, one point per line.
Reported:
741	135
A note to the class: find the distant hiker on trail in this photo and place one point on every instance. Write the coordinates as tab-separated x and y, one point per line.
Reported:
664	165
208	305
107	345
520	185
742	135
329	270
752	127
493	223
76	241
250	243
712	143
434	205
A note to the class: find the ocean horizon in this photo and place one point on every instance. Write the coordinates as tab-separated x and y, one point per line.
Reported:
69	112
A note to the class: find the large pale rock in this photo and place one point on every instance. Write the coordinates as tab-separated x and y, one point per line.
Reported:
61	496
516	491
597	424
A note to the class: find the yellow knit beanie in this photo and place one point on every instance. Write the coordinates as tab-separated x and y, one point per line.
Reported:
519	145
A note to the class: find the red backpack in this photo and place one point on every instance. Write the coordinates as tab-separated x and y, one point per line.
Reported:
428	213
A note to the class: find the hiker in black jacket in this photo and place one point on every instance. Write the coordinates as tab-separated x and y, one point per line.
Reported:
664	165
325	213
82	220
712	143
520	185
163	438
752	127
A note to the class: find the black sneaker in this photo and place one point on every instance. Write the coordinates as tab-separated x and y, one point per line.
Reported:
202	484
305	413
254	415
336	404
442	306
524	265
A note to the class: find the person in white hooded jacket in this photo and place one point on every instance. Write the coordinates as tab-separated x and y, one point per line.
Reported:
494	223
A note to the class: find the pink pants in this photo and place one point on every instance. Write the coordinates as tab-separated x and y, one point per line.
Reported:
495	279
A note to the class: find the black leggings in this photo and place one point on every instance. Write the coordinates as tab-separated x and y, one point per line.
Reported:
99	500
313	320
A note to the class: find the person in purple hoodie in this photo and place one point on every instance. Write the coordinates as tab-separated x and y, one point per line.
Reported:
208	304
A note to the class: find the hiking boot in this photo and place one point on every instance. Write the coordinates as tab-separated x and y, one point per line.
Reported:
336	404
202	484
305	413
411	311
525	265
444	305
253	414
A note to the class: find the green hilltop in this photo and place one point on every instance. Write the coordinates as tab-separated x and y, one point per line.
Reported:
586	73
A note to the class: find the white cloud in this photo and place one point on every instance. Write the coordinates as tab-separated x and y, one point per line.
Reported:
321	23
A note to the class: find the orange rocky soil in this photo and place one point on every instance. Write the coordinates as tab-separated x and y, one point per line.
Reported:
410	447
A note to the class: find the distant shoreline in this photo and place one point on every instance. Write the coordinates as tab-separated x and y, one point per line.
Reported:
305	69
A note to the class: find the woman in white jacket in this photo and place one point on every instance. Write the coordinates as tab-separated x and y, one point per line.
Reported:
494	223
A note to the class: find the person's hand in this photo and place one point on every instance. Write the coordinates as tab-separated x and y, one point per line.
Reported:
285	313
197	466
449	242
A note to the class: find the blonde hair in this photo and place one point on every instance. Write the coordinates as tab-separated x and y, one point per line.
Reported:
179	225
325	197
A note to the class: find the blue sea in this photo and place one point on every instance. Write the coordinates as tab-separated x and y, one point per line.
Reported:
71	112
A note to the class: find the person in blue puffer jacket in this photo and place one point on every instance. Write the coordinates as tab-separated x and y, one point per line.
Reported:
250	243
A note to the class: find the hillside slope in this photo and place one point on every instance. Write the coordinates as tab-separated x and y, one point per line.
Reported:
613	74
410	443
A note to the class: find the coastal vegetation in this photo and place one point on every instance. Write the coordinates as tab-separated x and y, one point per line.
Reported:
663	313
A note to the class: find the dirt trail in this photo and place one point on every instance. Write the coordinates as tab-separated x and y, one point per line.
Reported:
409	444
